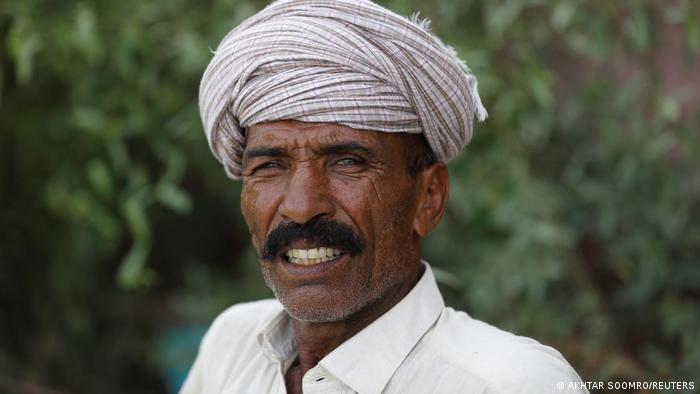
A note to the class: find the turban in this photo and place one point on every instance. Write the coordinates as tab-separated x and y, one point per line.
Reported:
350	62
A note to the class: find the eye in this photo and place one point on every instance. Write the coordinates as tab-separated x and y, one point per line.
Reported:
348	161
268	165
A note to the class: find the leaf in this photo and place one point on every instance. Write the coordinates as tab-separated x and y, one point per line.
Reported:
100	178
562	15
692	30
85	32
639	29
173	198
24	45
132	272
501	17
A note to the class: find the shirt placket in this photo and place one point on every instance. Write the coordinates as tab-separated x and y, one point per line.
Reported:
318	381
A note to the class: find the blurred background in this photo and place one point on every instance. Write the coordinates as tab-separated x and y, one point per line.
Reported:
574	216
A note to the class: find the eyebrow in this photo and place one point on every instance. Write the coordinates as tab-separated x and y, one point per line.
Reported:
265	151
347	147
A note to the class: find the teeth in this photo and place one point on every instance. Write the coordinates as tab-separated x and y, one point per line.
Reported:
299	261
312	256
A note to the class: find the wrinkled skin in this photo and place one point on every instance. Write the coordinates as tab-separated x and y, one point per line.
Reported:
296	171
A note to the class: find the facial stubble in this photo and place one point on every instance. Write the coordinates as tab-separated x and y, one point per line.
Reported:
392	275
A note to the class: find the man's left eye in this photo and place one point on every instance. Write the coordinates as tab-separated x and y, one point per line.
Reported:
347	161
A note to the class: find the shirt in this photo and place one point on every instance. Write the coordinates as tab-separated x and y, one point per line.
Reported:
418	346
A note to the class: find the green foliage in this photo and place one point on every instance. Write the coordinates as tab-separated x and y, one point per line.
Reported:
573	215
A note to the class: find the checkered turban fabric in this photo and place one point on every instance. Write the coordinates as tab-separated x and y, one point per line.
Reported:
351	62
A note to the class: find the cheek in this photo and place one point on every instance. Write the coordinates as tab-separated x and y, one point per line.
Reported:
256	210
358	200
382	212
393	205
393	211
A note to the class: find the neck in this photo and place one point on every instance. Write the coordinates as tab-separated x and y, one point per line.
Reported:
315	340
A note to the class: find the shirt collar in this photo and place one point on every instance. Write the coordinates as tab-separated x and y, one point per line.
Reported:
367	361
276	339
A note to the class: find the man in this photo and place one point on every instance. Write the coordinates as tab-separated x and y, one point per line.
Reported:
339	116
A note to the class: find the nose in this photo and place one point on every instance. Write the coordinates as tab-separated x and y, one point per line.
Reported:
306	196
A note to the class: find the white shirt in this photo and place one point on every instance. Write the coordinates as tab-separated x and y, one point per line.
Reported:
419	346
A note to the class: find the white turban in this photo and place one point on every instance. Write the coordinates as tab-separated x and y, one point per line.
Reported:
336	61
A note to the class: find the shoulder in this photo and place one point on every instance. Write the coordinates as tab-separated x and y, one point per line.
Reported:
238	325
232	334
505	362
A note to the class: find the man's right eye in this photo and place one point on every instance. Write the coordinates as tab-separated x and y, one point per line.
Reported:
273	164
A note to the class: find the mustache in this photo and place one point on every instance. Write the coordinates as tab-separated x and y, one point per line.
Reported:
322	232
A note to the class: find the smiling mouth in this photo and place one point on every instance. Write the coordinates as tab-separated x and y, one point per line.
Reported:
312	256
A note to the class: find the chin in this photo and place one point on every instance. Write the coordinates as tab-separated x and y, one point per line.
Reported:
316	315
319	309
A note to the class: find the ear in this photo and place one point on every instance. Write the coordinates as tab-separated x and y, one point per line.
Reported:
433	191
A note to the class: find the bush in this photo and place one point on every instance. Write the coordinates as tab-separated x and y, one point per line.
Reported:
573	217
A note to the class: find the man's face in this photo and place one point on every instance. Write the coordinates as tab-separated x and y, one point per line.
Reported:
310	187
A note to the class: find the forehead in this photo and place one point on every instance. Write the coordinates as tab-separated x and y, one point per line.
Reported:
292	134
296	133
